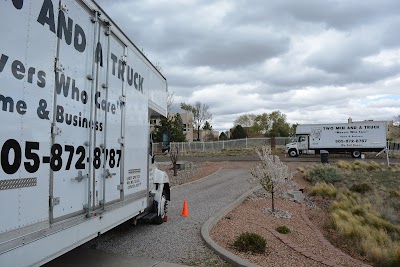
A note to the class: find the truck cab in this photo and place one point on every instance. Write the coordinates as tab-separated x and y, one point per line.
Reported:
299	146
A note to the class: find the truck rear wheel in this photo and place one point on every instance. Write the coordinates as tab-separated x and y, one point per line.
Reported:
293	153
356	153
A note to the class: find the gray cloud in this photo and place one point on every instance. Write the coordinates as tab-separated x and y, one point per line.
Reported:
232	50
313	60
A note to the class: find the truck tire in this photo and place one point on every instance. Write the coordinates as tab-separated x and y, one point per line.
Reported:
356	153
159	219
293	153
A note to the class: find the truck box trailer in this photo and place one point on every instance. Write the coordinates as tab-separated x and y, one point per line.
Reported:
76	97
353	138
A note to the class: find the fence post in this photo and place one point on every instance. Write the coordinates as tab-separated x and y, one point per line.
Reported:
203	146
223	144
273	143
246	142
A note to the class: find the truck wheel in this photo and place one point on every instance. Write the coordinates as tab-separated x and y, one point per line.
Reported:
159	219
293	153
356	153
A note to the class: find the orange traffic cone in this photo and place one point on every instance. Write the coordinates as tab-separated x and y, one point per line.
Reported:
185	212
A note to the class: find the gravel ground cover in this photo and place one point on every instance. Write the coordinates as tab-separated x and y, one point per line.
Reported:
178	240
251	217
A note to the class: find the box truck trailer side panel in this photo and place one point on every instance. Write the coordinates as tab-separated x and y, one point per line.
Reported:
75	96
367	134
26	98
353	138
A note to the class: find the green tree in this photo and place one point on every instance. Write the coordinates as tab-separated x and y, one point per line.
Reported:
279	128
293	128
222	136
200	114
175	127
207	126
245	120
261	124
238	132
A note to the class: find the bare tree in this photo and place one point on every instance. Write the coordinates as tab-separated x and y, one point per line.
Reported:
173	154
396	120
200	114
272	174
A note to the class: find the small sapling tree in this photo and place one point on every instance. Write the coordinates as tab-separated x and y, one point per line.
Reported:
173	154
271	173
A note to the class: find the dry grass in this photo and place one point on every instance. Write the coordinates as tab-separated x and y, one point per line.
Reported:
370	219
361	225
323	189
376	181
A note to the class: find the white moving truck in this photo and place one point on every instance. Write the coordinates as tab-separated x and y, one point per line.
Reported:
353	138
76	97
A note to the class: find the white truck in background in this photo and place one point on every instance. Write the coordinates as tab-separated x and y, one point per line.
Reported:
76	97
354	138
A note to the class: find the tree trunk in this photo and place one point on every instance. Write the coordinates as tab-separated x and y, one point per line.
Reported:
198	133
174	163
273	204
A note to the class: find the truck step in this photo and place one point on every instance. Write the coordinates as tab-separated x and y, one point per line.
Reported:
149	216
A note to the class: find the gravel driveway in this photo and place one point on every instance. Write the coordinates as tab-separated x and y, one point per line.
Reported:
178	240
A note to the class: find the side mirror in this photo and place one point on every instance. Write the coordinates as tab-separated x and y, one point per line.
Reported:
166	141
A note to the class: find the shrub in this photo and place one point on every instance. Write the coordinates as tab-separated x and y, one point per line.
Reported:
283	229
329	174
360	188
250	242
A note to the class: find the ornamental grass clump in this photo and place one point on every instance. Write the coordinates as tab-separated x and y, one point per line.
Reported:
250	242
361	188
323	189
363	227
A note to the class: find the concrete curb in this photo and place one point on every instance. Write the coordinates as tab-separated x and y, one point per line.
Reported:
208	225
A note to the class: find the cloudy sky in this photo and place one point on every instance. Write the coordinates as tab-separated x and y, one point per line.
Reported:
315	61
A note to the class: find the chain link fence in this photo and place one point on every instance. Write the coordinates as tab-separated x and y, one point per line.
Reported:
393	147
220	145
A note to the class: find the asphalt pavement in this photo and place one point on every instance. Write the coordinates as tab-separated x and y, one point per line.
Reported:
87	257
174	242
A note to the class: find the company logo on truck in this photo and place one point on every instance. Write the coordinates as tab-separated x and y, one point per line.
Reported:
316	134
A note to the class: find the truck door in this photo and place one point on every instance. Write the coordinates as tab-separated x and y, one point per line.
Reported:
303	142
109	110
73	119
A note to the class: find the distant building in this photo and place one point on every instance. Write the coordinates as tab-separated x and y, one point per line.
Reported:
187	119
207	135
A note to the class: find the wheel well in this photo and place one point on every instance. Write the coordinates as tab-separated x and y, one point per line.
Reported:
167	191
